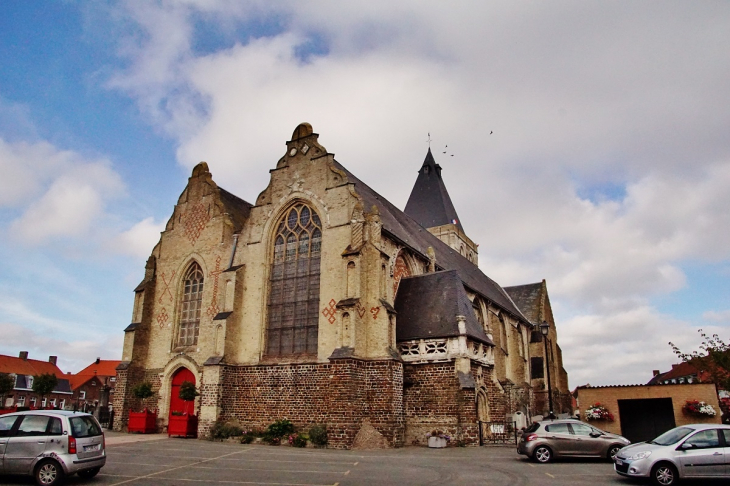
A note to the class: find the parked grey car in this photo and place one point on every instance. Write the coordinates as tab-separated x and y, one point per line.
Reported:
689	451
51	444
543	441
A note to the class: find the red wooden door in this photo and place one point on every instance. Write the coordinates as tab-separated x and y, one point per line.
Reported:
176	404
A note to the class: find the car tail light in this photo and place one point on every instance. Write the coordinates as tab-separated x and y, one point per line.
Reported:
530	437
71	445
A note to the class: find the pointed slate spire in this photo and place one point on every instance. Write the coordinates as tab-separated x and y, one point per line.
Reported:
429	203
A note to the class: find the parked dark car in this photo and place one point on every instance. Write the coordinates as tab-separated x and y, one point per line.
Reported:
543	441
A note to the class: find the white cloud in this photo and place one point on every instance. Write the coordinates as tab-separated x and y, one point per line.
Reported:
73	355
140	239
717	316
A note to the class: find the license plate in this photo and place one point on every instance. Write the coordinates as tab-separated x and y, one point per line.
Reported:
90	448
619	462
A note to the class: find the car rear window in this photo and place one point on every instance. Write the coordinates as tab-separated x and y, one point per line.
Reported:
84	427
532	428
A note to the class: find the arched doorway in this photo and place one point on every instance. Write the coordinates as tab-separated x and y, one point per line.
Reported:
177	405
483	416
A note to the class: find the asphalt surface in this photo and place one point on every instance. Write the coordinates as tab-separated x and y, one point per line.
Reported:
156	460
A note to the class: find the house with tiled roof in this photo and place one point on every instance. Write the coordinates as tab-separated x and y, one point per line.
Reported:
324	303
95	384
23	370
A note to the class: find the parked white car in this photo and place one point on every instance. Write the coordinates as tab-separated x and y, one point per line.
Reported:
51	444
689	451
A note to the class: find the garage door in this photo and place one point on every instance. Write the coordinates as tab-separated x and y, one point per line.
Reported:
646	418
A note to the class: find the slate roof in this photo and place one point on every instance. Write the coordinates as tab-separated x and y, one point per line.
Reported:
527	297
429	203
237	208
409	232
427	306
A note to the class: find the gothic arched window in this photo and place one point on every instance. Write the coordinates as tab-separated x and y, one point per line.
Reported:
192	303
294	296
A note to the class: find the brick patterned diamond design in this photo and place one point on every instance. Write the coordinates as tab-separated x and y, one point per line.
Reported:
374	311
361	310
194	222
213	307
330	311
166	289
162	318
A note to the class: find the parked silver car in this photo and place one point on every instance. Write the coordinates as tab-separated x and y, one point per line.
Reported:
543	441
51	444
689	451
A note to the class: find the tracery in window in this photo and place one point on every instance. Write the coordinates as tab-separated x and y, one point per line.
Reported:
294	295
192	303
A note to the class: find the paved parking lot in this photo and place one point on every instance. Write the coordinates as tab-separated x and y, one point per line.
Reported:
163	461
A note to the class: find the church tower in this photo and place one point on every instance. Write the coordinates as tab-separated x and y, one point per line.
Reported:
430	205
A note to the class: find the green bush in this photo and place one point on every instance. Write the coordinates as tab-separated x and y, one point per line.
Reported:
223	430
143	390
298	440
280	428
248	437
318	435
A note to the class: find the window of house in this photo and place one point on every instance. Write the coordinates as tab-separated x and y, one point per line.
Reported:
62	405
43	403
293	317
32	401
53	402
21	401
29	382
82	394
537	369
192	303
535	337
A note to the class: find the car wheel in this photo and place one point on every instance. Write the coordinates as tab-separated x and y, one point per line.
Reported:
664	474
89	473
48	473
543	454
612	451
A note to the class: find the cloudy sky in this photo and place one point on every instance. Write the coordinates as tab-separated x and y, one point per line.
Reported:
607	172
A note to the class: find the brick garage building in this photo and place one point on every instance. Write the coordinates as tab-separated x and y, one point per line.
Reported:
324	303
642	412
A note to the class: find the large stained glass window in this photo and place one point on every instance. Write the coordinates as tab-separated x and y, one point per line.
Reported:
192	303
294	293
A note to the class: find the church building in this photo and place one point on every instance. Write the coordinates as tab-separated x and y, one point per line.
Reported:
325	304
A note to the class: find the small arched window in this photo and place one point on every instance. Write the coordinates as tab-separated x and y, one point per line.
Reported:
192	303
294	296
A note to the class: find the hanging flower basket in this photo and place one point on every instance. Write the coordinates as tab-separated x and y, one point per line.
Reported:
598	412
698	408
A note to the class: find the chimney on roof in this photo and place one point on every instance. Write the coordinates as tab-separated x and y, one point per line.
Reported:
53	360
23	355
98	360
656	372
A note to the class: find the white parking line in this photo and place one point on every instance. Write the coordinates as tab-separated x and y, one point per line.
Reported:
179	467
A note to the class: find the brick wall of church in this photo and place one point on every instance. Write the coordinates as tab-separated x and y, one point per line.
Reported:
124	400
338	394
434	401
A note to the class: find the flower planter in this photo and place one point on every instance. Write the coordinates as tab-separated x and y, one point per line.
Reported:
144	422
436	442
183	426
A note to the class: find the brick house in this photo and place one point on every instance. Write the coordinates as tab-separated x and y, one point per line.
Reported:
22	369
642	412
324	303
94	385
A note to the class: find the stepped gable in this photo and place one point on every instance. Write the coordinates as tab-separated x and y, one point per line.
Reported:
405	229
427	306
429	203
528	298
